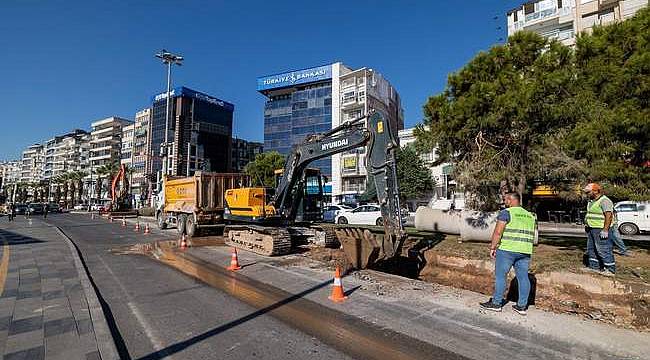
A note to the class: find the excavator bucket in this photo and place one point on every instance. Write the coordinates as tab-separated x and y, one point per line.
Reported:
364	248
360	246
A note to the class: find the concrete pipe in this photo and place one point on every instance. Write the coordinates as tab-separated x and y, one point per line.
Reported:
469	224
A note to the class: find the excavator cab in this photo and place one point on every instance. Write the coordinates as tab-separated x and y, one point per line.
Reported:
310	208
309	191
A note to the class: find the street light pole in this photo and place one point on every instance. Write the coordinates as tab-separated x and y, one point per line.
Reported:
169	59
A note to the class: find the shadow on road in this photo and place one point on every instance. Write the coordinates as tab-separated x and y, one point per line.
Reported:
180	346
17	239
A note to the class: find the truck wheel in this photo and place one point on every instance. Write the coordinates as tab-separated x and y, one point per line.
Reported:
190	226
162	224
628	229
180	223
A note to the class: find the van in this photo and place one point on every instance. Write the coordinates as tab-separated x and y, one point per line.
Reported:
633	217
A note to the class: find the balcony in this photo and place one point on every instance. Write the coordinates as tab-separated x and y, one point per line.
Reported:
543	16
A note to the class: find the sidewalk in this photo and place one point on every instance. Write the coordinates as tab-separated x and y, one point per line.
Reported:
443	316
44	307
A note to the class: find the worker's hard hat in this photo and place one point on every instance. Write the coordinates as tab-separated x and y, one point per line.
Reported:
592	187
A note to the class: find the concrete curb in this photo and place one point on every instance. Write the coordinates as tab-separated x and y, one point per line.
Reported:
103	337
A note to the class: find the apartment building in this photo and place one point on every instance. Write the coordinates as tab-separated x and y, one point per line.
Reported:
317	99
10	172
106	141
66	153
33	160
563	19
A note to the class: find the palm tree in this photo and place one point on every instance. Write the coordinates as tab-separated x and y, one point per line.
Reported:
80	175
107	170
75	179
63	179
57	181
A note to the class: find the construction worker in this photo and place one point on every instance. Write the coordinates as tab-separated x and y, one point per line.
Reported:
512	246
615	235
599	241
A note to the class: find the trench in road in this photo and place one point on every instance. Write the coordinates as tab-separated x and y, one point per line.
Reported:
349	334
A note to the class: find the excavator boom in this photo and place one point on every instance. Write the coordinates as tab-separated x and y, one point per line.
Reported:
361	246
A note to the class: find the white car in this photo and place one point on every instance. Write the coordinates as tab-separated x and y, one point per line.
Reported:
361	215
632	217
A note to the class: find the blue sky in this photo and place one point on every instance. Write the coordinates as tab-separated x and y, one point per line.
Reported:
64	64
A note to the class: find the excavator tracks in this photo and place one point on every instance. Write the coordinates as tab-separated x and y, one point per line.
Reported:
267	241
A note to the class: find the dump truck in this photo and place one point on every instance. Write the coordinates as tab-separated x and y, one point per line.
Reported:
197	202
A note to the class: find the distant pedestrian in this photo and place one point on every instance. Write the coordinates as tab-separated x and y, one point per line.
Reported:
11	213
512	246
598	221
616	236
46	209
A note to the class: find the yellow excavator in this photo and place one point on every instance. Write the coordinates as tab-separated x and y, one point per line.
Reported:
269	221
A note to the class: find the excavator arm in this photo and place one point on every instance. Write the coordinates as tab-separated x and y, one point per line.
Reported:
362	247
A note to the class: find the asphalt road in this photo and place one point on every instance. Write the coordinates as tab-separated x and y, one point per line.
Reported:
161	313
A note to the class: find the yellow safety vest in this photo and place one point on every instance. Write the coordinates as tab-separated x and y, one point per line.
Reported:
595	217
519	234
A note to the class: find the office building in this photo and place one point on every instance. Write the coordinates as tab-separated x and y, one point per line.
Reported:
200	132
314	100
244	152
563	19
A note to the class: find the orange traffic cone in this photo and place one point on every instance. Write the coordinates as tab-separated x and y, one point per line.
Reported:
183	242
146	229
123	221
337	290
234	262
137	227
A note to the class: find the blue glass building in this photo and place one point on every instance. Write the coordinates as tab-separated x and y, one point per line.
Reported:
299	103
200	128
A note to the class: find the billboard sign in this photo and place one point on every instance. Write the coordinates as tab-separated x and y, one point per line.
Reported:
294	78
350	163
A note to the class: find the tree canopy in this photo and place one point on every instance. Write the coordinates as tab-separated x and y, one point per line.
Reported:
262	169
413	177
533	110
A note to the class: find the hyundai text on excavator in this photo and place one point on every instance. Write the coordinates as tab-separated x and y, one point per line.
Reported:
266	221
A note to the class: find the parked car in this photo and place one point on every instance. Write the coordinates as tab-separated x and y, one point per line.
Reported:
21	209
361	215
633	217
332	210
35	208
79	207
